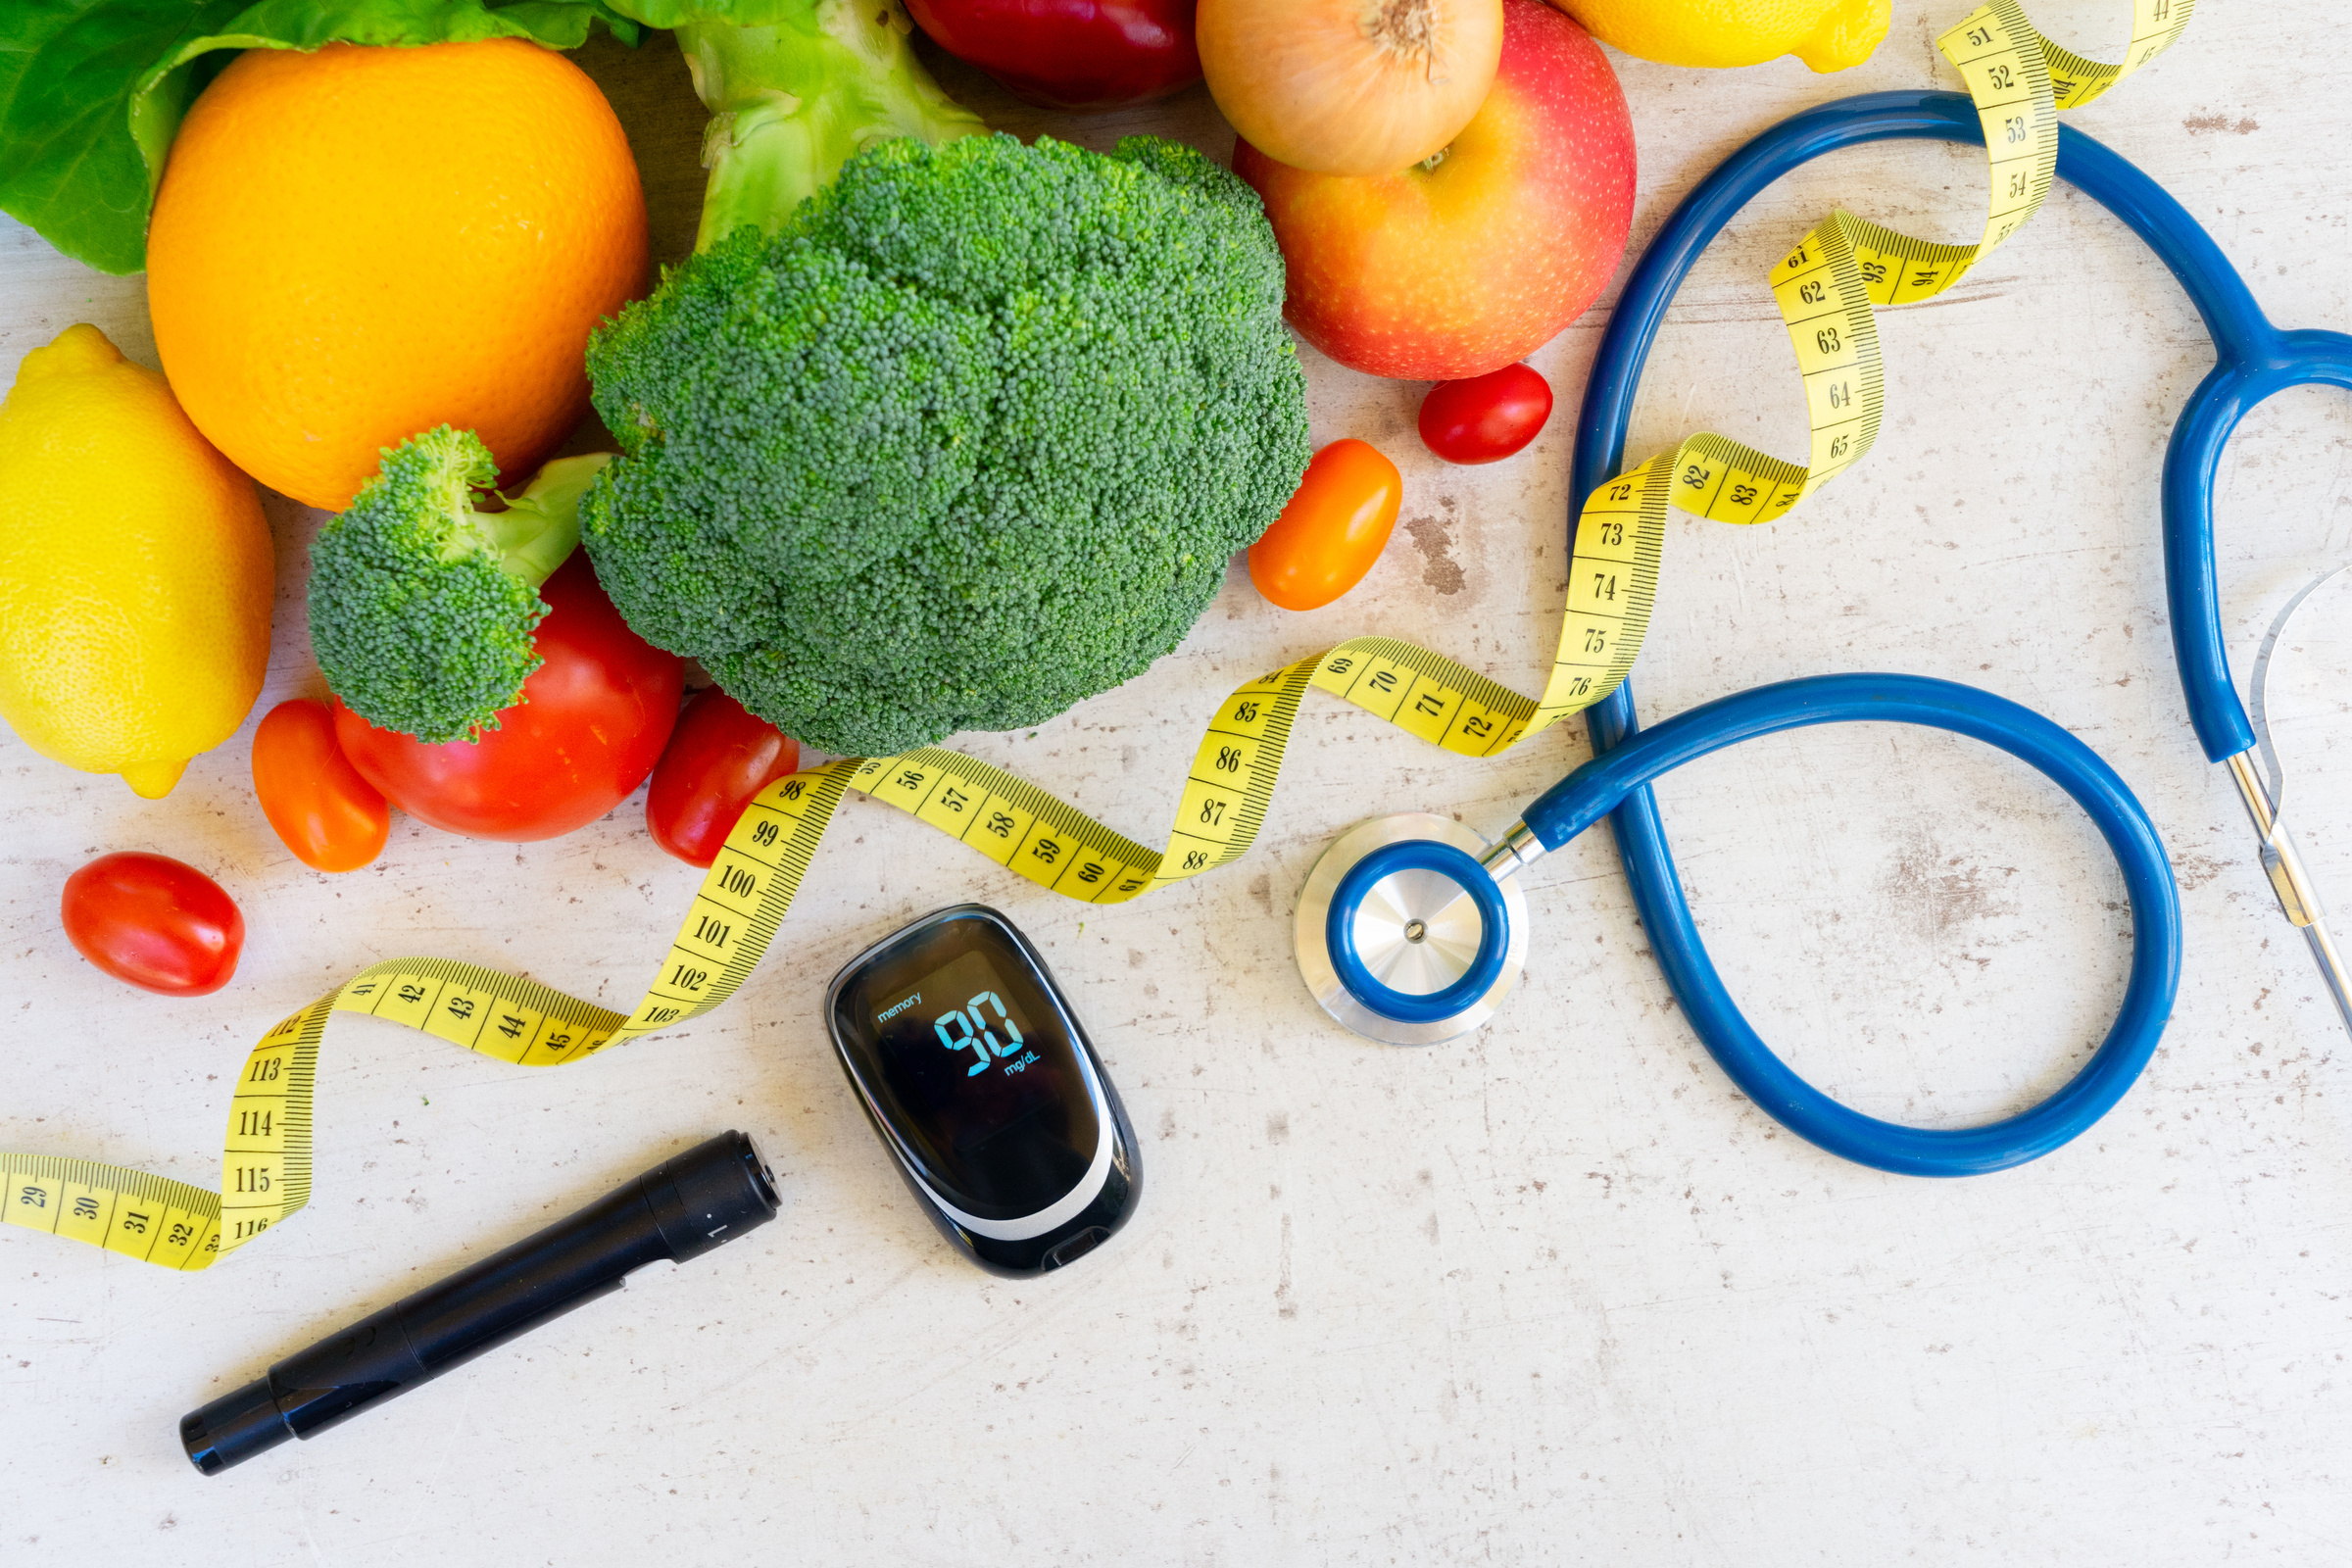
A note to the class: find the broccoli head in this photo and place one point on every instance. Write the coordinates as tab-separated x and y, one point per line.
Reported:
423	609
968	435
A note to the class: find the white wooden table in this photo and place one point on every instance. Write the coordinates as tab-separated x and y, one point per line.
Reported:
1551	1294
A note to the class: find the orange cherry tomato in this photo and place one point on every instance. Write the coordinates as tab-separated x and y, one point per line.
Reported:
1332	531
330	817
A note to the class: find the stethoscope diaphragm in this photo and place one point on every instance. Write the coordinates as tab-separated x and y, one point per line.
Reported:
1403	936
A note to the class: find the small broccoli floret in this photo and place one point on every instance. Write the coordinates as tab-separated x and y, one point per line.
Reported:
970	436
423	609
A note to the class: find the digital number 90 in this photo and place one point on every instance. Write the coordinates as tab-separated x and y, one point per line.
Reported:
977	1036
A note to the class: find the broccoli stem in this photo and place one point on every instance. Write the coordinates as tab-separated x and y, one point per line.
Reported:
540	528
792	100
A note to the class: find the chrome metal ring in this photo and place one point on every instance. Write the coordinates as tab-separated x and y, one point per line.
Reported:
1416	966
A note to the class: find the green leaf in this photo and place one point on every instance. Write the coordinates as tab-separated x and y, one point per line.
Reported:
743	13
92	91
67	165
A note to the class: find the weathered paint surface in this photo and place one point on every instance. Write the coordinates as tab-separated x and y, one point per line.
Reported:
1554	1294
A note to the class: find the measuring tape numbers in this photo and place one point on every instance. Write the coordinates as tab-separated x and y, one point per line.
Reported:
1826	288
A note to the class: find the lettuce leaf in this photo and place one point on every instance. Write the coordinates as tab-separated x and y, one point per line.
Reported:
92	91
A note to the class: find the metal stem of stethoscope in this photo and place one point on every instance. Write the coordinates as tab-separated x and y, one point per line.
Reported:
2298	900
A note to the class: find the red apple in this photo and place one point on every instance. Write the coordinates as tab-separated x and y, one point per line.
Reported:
1464	263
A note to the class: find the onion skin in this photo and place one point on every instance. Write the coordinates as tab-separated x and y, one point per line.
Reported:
1349	87
1443	272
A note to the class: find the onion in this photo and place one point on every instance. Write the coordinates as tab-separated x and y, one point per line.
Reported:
1349	87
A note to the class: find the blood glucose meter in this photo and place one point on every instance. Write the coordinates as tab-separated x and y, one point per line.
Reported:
980	1082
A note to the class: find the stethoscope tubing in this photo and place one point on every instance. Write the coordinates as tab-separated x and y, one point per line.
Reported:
1596	789
2244	338
2255	360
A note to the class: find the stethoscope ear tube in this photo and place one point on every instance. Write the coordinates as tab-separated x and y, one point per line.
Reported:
1618	781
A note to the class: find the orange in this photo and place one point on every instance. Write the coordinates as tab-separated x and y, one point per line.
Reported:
355	244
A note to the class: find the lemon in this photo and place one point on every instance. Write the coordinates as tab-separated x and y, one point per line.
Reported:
135	571
1825	34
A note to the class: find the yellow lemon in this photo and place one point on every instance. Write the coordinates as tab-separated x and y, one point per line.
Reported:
1825	34
135	572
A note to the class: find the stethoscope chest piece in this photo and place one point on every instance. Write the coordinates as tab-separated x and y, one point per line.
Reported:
1403	936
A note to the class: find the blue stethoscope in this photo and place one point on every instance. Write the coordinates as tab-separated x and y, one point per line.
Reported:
1411	928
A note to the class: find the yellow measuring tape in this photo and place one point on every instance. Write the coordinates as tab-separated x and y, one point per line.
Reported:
1825	287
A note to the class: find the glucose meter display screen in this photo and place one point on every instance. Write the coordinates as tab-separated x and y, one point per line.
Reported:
968	1060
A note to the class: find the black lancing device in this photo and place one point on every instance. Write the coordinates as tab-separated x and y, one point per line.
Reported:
681	1208
985	1090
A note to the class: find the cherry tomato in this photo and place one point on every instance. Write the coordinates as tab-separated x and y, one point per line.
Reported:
154	923
590	726
330	817
1486	418
1333	529
1070	54
720	757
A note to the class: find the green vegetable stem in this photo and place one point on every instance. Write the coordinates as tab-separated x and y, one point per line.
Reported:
795	99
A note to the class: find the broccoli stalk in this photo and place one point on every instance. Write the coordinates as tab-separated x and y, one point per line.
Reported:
794	100
423	607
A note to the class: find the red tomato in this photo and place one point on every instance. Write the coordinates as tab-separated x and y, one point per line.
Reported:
1070	54
590	726
154	923
330	817
720	757
1333	529
1486	418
